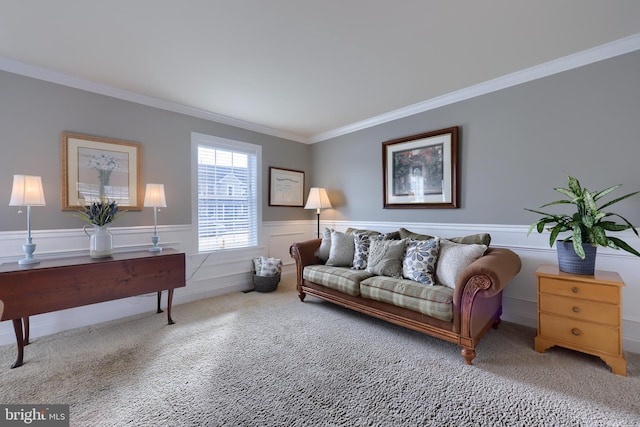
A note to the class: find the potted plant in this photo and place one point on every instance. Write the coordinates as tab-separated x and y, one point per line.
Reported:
100	214
588	226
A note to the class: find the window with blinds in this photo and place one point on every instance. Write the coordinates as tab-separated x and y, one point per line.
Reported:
227	195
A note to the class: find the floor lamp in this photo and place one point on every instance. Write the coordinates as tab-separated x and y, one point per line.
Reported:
154	197
317	200
27	191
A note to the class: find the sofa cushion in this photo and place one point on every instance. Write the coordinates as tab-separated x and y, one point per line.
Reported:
341	279
453	259
406	234
480	238
435	301
352	230
473	239
342	249
385	257
419	262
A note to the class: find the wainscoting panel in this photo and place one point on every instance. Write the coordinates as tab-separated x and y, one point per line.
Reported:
209	275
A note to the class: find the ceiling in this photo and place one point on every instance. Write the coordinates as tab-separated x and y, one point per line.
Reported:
306	70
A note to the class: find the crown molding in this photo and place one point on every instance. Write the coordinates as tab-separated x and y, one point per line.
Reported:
83	84
579	59
589	56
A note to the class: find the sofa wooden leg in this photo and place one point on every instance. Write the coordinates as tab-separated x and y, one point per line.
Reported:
301	295
496	323
469	354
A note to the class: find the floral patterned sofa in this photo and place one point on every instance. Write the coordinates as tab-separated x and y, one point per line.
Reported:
447	288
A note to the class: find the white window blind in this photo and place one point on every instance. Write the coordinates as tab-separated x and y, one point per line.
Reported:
227	196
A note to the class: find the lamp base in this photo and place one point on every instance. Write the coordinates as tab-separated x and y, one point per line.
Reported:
28	249
155	247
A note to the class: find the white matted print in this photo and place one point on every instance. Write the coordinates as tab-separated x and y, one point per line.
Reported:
95	168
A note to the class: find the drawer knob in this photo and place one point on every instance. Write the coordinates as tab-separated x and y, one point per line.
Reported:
576	331
574	289
576	309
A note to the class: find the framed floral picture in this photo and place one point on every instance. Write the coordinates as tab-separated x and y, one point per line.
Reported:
95	168
421	171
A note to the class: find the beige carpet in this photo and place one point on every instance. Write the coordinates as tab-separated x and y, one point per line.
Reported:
256	359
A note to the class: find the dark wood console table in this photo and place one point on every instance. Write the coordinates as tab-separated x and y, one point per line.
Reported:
58	284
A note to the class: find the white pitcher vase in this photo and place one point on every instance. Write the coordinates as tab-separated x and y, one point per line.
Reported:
100	241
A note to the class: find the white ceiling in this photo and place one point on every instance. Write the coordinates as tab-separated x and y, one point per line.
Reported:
302	69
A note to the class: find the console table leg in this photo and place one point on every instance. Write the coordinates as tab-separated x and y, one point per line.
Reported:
159	298
25	322
169	302
17	327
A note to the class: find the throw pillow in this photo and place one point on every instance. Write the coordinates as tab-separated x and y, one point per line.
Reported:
419	263
385	257
406	234
362	242
454	258
478	239
352	230
394	235
325	245
342	249
269	266
257	263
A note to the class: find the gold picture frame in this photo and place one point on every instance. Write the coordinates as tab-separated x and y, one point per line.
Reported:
95	167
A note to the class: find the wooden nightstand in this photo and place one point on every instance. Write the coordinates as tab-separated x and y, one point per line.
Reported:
581	312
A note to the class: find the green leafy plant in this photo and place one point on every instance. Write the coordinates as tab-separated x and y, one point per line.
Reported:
589	224
101	212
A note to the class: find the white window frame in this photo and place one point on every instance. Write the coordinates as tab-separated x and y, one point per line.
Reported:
198	139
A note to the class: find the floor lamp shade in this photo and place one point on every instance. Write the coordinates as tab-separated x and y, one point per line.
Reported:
27	191
318	199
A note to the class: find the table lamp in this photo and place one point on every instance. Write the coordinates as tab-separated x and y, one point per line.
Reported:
317	200
154	197
27	191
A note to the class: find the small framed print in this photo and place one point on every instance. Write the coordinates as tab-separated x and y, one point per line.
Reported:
95	168
421	171
286	187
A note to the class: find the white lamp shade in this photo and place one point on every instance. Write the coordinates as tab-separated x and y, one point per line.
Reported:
27	191
154	196
318	199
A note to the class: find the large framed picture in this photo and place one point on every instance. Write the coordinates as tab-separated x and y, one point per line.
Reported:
421	171
95	168
286	187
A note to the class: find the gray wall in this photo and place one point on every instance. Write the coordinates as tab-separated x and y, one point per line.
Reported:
33	113
516	145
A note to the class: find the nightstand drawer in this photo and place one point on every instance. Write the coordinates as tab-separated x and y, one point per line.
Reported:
580	309
575	289
580	334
